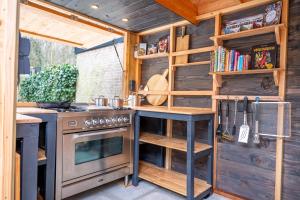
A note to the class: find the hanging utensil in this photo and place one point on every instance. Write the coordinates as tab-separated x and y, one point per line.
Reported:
256	135
244	129
219	128
236	100
226	135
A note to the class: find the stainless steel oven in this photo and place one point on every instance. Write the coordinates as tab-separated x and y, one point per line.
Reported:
93	148
88	152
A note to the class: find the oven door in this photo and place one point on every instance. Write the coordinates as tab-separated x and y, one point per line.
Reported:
88	152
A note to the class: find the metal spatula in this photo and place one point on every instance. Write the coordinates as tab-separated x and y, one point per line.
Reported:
244	129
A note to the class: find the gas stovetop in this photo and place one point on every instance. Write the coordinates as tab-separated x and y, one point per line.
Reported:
70	109
87	109
84	117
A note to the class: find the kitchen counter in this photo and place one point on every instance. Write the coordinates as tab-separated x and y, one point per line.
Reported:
175	110
27	131
34	110
24	119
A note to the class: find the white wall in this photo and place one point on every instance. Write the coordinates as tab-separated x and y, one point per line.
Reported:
100	73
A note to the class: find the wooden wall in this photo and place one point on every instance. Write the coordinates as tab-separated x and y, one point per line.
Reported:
245	170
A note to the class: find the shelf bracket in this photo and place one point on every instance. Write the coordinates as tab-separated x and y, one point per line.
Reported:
218	41
217	80
173	68
277	35
276	77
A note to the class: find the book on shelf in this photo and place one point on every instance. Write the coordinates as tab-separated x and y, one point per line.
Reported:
229	60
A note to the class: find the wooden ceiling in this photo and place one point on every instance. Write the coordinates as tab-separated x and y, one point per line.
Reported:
44	24
58	22
146	14
142	14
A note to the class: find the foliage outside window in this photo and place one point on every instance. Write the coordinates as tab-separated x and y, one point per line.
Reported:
54	84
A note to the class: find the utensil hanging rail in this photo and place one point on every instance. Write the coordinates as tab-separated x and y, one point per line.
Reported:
251	98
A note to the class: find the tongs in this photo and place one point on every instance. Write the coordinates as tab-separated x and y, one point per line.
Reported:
226	135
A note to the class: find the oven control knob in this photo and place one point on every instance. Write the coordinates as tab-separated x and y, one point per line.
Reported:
101	121
120	120
95	122
114	120
88	123
126	119
108	121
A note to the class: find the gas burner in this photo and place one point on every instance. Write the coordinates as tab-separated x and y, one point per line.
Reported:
70	109
123	108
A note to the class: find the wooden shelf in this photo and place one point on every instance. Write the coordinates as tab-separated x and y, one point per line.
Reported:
194	51
192	64
274	71
258	71
176	110
178	93
258	31
171	180
143	92
172	143
192	93
151	56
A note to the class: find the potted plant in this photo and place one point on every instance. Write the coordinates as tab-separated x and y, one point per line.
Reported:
53	87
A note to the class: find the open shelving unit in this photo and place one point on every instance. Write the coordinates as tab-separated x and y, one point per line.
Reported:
184	184
180	183
279	74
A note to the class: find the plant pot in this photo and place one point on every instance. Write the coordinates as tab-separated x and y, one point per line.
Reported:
54	105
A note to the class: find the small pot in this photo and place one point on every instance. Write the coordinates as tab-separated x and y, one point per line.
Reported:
101	101
116	102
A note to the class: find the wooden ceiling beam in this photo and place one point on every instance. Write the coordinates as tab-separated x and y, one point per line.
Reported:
74	16
183	8
50	38
209	15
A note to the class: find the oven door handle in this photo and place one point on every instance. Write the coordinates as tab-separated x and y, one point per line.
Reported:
76	136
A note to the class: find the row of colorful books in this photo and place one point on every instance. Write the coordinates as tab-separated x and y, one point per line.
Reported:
225	60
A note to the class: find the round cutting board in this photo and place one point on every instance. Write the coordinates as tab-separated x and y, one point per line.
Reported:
157	82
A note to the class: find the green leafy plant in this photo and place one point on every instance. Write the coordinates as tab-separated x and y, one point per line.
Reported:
54	84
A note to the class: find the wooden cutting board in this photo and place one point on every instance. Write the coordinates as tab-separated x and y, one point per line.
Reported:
157	82
182	43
